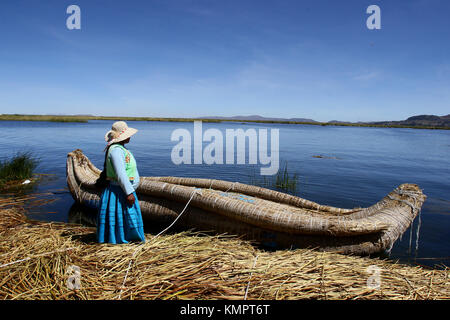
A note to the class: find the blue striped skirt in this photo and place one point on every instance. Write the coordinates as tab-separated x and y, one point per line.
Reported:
118	222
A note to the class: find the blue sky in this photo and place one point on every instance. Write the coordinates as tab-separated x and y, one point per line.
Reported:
186	58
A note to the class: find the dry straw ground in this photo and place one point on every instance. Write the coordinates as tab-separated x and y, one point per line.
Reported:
35	256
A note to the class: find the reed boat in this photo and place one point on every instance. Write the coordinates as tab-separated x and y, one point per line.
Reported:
265	216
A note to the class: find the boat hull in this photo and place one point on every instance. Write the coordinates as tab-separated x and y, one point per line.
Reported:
265	216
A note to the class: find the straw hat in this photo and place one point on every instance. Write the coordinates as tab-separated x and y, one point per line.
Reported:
119	132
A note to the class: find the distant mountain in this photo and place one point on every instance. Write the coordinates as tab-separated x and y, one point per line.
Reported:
421	120
415	121
260	118
338	122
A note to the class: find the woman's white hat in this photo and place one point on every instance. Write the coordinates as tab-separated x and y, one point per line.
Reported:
119	132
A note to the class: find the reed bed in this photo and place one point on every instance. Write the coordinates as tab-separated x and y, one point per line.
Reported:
35	258
284	180
17	168
49	118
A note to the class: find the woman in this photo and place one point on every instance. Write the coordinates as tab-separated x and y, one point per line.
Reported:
119	218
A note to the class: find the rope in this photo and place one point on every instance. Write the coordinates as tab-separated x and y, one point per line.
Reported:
78	194
128	269
196	191
418	229
410	194
414	208
232	187
248	284
410	237
36	256
192	196
419	213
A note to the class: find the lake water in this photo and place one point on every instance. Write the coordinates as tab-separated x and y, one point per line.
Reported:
359	167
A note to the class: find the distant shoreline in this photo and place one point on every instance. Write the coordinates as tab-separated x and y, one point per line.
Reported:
84	119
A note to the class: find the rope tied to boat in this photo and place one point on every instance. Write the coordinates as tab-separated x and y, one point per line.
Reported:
194	192
416	210
78	190
232	187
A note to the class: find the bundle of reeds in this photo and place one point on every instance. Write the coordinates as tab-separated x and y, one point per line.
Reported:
36	256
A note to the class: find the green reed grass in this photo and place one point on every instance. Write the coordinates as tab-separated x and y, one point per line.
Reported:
284	180
18	167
